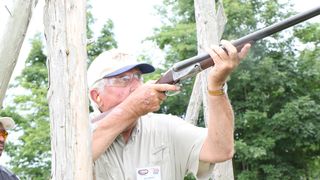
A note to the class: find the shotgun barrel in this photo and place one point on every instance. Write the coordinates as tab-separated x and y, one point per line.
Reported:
190	67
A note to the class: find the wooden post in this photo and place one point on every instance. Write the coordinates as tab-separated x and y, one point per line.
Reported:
65	31
210	21
12	38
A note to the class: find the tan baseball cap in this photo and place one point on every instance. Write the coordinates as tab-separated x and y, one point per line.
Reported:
7	122
112	63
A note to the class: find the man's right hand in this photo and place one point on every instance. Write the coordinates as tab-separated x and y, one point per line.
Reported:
146	98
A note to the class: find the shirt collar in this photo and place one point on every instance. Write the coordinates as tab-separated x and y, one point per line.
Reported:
134	133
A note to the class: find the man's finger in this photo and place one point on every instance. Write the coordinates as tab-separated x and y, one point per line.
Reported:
151	82
166	87
220	52
232	50
244	51
162	96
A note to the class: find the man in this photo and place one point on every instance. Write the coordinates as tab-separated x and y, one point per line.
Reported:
131	142
5	124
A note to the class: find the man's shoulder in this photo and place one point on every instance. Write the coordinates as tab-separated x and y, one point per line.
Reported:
3	169
160	121
6	173
160	117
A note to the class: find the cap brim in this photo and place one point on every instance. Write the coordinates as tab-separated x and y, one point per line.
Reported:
7	122
143	67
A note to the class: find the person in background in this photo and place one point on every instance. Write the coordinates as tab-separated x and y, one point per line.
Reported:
6	123
131	142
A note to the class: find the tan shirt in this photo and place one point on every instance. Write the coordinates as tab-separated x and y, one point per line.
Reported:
160	140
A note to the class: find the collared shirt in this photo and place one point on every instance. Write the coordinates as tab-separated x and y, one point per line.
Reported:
5	174
163	141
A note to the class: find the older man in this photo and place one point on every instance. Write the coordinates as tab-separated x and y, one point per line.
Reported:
131	142
5	124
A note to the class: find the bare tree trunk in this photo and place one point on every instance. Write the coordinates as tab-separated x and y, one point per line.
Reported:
11	40
65	31
210	21
195	102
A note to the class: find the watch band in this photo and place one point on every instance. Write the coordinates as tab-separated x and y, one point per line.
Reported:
217	92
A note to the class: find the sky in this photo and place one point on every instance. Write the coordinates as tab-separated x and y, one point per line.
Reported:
133	22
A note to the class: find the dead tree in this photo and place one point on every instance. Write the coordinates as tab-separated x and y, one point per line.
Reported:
12	38
65	32
210	21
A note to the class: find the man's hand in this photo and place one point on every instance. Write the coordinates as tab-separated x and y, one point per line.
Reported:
147	98
224	62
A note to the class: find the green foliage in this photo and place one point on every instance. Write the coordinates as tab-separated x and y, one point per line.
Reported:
310	33
104	42
189	176
31	155
178	36
178	39
90	21
270	84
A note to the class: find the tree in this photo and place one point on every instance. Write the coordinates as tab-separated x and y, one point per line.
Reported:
276	116
65	31
274	92
30	155
104	42
177	37
13	36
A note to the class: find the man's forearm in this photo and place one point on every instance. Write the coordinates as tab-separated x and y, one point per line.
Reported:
109	128
219	144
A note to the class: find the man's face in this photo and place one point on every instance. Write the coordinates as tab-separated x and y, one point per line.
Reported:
3	136
112	95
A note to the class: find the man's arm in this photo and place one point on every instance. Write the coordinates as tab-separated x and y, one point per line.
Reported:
219	143
147	98
109	128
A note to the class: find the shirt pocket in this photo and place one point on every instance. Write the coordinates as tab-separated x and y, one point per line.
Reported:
105	170
160	155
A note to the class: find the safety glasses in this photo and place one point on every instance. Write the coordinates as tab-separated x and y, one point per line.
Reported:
122	81
4	134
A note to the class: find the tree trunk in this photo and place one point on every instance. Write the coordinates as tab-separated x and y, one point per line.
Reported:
195	102
210	20
65	31
11	40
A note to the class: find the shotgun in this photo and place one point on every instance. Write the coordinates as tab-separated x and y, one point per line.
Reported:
192	66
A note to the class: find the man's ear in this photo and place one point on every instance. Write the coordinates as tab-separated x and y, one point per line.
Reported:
95	96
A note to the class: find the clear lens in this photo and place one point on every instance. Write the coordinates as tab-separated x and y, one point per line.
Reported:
122	81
